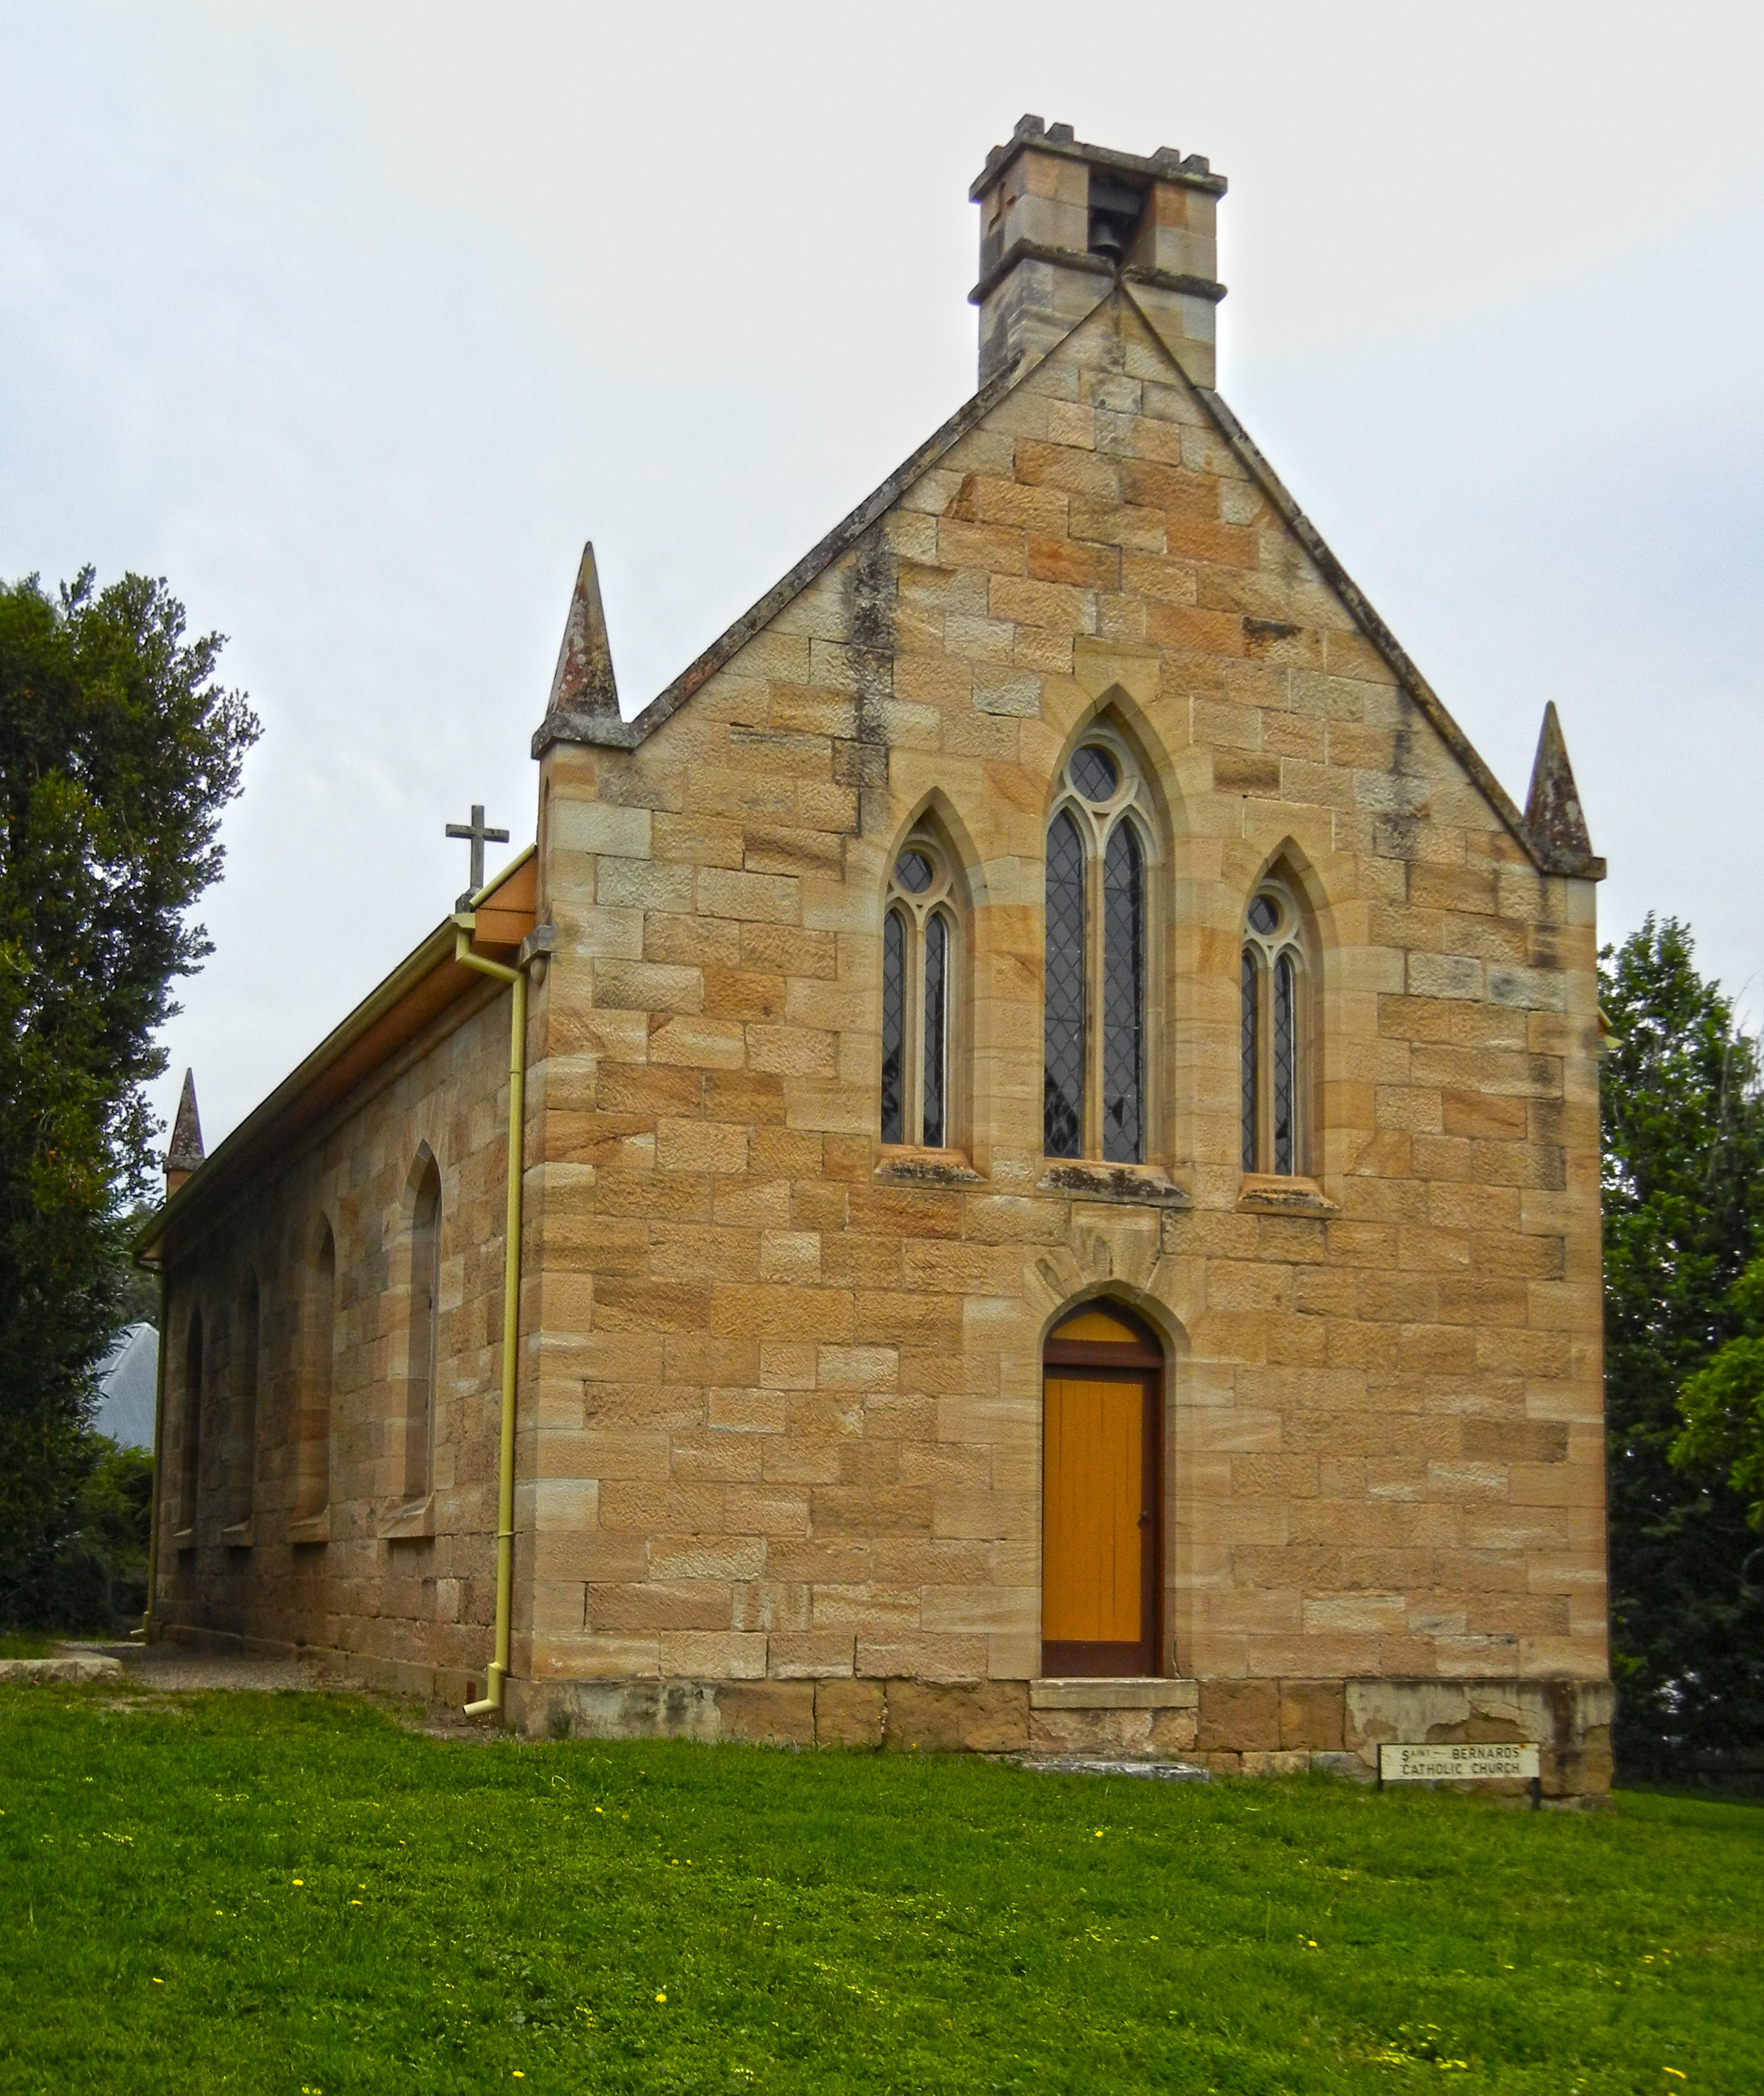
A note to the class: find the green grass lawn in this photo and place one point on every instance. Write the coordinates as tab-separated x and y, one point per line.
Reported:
22	1644
293	1893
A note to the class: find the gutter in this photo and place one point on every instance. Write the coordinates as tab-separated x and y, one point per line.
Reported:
439	949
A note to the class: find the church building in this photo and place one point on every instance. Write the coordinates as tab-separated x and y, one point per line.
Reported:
1015	1166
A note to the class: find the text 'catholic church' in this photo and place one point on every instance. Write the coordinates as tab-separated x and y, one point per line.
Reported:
1055	1191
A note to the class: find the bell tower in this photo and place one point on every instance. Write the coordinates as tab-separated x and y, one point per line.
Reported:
1061	222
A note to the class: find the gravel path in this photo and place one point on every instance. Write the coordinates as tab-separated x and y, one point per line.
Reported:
176	1669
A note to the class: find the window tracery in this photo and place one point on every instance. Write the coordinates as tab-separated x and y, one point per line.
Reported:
1098	957
1272	1047
919	941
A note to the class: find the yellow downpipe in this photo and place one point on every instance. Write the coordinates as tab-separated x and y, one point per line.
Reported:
491	1702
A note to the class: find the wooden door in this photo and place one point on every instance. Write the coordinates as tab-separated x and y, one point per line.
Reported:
1100	1521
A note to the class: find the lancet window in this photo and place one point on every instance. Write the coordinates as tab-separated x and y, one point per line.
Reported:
313	1431
242	1453
1093	1089
920	939
190	1466
425	1315
1274	1050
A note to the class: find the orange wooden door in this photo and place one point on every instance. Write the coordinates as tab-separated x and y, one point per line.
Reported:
1098	1519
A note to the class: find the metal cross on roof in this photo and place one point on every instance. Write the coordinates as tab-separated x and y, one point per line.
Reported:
479	837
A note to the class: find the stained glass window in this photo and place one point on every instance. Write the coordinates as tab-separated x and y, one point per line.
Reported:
1063	1026
1093	774
1286	1065
1124	998
936	977
1264	915
1249	1027
893	1025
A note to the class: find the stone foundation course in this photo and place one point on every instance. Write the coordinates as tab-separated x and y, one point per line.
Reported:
1251	1728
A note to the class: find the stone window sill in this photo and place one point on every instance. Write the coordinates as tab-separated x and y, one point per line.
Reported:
240	1536
409	1520
1271	1193
907	1166
311	1527
1145	1186
1131	1692
184	1539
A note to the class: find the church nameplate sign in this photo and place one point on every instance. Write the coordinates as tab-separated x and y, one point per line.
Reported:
1483	1761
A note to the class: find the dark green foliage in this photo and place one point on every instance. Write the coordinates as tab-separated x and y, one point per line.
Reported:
118	754
1723	1404
1683	1137
100	1570
291	1892
140	1304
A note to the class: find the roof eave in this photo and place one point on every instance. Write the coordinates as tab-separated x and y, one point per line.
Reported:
216	1169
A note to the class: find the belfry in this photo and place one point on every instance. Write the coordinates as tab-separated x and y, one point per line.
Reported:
1013	1166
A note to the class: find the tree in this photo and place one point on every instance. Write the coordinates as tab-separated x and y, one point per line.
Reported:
1722	1404
118	754
1683	1188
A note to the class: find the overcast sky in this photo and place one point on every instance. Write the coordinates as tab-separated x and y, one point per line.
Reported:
354	321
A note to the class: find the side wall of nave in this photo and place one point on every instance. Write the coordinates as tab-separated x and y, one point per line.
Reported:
339	1507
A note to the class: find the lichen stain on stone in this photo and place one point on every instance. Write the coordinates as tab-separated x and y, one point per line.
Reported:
869	584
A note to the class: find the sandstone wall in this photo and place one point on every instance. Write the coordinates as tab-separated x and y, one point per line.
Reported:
403	1583
784	1425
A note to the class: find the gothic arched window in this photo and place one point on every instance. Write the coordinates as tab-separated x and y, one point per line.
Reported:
1098	956
312	1429
189	1464
919	935
425	1318
243	1440
1273	1046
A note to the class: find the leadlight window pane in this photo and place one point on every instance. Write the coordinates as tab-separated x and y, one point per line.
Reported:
1093	774
1063	1018
893	1024
1263	915
936	978
1285	1065
913	871
1123	999
1251	980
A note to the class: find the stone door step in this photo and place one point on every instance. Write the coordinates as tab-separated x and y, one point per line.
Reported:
1127	1692
1083	1765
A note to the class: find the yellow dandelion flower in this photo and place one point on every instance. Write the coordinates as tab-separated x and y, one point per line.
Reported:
661	1997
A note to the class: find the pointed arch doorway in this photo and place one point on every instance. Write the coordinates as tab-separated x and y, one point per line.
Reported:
1101	1472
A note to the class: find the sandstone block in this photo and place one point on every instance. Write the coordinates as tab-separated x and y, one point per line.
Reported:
1311	1716
766	1713
985	1718
1236	1716
850	1713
